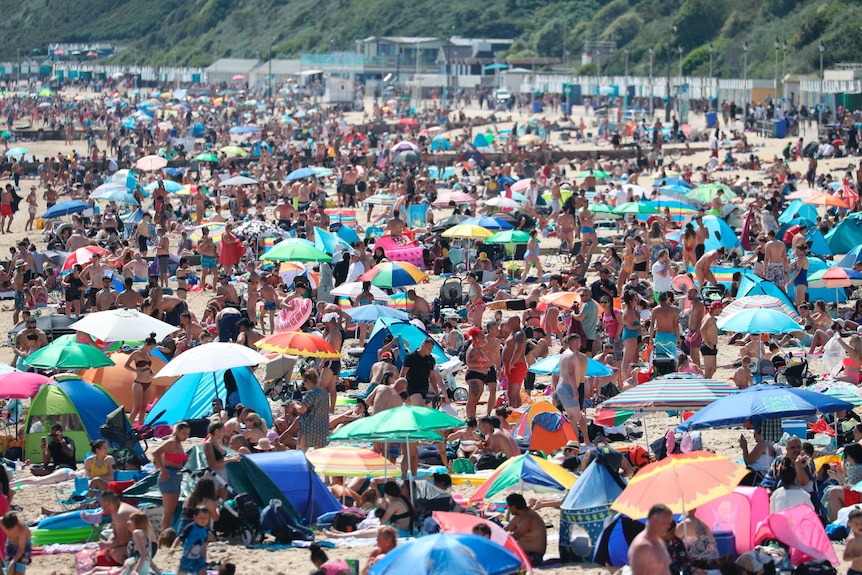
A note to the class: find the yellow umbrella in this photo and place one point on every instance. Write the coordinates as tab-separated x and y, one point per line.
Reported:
468	231
350	462
234	151
682	482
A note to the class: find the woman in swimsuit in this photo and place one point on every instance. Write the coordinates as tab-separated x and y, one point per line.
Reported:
631	327
689	241
853	362
169	458
398	513
475	304
217	458
656	240
611	321
532	317
640	258
799	277
99	467
627	265
141	363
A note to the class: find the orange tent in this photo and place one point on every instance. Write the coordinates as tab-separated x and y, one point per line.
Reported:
547	428
117	380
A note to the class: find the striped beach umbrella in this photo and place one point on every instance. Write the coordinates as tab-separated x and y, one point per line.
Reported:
216	230
82	256
670	395
298	343
400	301
390	275
380	200
762	302
526	473
839	390
350	462
635	208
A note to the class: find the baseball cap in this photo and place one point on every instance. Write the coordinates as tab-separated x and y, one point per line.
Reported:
386	355
716	305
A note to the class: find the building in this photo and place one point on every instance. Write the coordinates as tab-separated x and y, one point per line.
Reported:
227	69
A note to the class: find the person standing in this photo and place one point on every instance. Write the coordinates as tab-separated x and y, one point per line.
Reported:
207	250
169	458
417	369
709	333
313	414
571	387
163	257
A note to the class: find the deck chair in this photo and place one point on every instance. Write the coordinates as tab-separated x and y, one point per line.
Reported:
77	497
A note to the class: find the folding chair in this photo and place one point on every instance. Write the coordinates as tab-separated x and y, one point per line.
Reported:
77	497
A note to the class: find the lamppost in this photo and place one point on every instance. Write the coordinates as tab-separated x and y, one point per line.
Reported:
626	52
679	49
269	72
745	61
668	106
777	45
651	94
784	59
709	90
821	48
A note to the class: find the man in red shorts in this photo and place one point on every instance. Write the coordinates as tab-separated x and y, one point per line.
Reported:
515	361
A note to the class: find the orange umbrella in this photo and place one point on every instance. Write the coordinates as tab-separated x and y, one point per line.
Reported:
566	299
298	343
825	200
682	482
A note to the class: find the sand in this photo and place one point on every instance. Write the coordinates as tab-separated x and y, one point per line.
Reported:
296	560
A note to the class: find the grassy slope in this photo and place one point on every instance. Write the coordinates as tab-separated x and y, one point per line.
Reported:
195	32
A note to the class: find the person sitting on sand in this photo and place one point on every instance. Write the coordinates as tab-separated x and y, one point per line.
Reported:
387	540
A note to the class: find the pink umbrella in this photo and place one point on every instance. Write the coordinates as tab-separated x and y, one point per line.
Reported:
521	185
803	194
457	197
21	385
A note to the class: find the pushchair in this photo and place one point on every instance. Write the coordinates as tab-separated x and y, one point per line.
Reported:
278	378
795	373
240	517
125	437
451	296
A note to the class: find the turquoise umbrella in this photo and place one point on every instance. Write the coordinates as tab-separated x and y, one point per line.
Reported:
758	320
294	251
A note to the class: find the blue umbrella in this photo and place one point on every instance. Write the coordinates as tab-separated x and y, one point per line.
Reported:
445	553
677	192
551	366
488	223
121	195
370	313
300	174
66	208
761	402
326	241
16	152
170	185
671	182
852	258
244	130
758	320
173	172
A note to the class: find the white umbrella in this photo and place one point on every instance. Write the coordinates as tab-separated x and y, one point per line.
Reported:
209	357
122	325
238	181
151	163
502	202
353	289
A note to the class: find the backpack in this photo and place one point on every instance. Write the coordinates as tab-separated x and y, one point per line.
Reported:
278	521
347	520
815	568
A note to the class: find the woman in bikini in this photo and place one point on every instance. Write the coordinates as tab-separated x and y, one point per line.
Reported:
656	240
689	241
631	326
169	459
475	303
853	362
640	260
141	363
627	265
99	467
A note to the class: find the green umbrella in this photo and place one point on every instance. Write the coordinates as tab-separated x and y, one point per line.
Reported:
509	237
322	172
207	157
5	134
598	174
397	423
604	210
68	356
293	251
635	208
706	192
565	194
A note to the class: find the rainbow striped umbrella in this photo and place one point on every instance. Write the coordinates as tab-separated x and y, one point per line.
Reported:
390	275
400	301
687	394
760	301
298	343
350	462
839	390
526	473
216	230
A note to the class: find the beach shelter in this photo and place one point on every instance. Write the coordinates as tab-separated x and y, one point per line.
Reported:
295	478
846	235
545	427
800	529
117	380
819	245
720	234
739	512
612	548
751	284
78	406
191	396
411	335
798	209
588	506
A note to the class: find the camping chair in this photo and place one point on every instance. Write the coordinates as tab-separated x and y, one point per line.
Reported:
79	497
125	437
278	374
458	259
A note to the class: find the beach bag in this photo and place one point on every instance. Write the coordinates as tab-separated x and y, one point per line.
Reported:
815	568
490	461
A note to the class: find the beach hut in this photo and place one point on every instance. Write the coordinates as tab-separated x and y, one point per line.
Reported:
545	428
295	478
587	506
78	406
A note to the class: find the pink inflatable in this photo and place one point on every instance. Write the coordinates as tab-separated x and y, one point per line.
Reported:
800	529
402	249
294	313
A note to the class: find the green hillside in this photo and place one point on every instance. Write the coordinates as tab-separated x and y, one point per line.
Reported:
196	32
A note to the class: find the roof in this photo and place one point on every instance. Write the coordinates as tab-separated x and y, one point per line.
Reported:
402	39
232	65
280	67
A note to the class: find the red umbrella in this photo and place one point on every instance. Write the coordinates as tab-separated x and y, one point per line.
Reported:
82	256
464	523
238	78
408	122
21	385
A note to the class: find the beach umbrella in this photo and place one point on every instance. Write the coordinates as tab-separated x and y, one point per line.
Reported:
82	256
503	202
528	139
468	231
298	343
118	194
212	357
254	229
21	385
551	366
759	302
565	194
758	321
838	389
598	174
216	230
169	185
678	193
612	417
509	237
400	301
151	163
825	200
371	313
488	223
238	181
804	194
452	220
682	481
671	182
465	522
407	122
443	199
445	553
380	200
327	241
405	147
14	152
684	394
853	257
353	289
705	193
300	174
207	157
835	277
396	423
566	299
635	208
65	208
605	211
122	325
407	157
70	356
233	151
525	473
241	130
759	402
390	275
350	462
290	251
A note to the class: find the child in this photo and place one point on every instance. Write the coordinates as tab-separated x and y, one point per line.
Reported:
742	375
853	549
194	539
18	544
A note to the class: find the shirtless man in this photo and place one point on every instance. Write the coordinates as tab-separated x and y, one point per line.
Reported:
191	336
163	257
588	231
703	267
207	250
492	351
570	389
386	396
497	440
226	293
421	309
331	369
775	260
709	332
93	275
648	552
477	369
528	529
107	297
664	327
269	297
701	233
77	240
6	211
384	365
395	225
283	213
137	269
515	361
693	338
348	187
129	298
115	545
